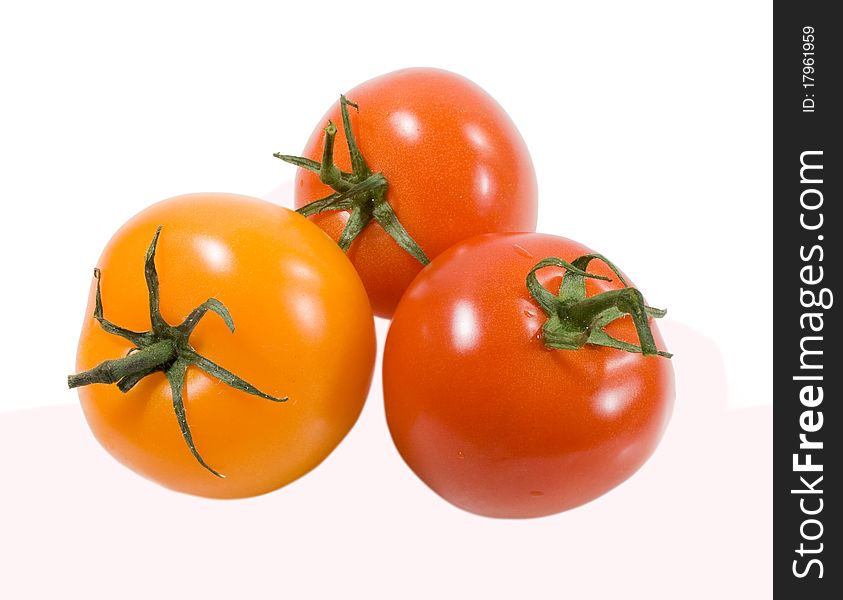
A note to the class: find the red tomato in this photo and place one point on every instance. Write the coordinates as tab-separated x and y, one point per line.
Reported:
489	417
454	163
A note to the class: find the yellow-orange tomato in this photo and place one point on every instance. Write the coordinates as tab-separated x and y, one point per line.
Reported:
304	330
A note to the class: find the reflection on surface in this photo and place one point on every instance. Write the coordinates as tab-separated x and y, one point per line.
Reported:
483	183
302	271
310	315
216	253
464	326
407	124
477	137
609	402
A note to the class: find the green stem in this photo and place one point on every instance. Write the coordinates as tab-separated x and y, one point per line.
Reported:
112	371
329	173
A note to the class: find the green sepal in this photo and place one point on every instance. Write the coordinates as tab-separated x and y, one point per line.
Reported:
226	376
138	338
197	313
542	295
308	164
159	326
598	337
302	162
358	163
361	192
358	219
322	205
573	286
387	219
345	200
575	320
176	375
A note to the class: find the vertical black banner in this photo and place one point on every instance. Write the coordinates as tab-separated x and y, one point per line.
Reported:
807	222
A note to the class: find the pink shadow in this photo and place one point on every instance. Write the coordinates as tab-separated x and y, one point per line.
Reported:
695	522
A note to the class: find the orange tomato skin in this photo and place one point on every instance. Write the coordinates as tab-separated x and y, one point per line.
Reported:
304	329
491	419
455	163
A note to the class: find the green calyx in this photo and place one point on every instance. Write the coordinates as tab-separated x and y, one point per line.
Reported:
163	348
575	320
362	192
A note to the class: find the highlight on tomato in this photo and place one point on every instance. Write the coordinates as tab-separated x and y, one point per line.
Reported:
175	392
431	159
523	376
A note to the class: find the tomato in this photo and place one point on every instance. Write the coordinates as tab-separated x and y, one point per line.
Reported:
492	419
304	340
454	166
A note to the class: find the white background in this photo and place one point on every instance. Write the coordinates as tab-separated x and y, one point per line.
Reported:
649	124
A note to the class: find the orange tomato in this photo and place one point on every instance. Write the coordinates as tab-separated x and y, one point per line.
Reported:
304	330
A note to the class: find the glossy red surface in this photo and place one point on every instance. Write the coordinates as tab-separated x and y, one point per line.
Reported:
455	163
491	419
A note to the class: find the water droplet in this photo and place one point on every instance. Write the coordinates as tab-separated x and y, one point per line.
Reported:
536	493
522	251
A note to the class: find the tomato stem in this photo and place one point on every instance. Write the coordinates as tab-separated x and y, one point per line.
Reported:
361	191
329	174
164	348
111	371
575	320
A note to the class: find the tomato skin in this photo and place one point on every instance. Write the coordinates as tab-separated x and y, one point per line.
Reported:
304	329
455	163
486	415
